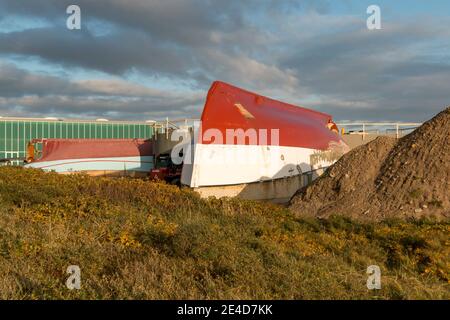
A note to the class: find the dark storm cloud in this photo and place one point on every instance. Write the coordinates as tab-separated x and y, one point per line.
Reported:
113	53
195	40
15	82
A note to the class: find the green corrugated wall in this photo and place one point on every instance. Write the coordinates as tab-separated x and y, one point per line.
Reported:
15	134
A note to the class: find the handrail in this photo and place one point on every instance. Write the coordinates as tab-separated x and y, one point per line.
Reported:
397	126
379	123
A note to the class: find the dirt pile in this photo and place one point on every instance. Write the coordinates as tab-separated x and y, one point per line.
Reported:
387	178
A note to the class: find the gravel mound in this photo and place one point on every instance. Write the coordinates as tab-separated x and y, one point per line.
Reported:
409	177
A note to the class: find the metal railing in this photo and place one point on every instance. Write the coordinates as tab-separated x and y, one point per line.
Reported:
167	125
395	126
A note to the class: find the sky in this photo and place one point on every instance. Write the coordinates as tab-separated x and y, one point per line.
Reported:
151	59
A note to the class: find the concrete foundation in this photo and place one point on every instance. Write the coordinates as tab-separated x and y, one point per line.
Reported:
276	191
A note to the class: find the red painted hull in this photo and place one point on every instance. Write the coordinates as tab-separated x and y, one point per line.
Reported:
229	107
62	149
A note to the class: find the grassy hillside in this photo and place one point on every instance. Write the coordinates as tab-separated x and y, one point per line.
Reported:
140	240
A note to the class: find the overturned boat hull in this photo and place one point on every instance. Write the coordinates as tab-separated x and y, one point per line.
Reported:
96	157
258	148
116	166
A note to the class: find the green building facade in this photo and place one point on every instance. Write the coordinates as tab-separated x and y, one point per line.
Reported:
15	133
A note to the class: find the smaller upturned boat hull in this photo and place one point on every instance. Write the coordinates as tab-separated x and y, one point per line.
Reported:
96	157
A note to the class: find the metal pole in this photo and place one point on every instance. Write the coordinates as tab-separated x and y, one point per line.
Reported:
364	131
167	127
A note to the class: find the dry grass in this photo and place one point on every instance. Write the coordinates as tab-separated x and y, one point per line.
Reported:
136	239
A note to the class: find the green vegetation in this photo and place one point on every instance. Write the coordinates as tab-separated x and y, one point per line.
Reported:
137	239
416	193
